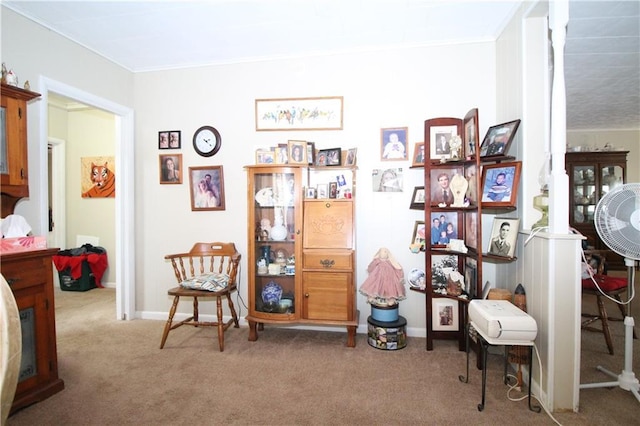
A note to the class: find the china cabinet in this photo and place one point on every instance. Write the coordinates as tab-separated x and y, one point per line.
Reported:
30	277
591	176
301	248
14	179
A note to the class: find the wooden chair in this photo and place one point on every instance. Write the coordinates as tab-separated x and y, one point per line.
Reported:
612	287
202	263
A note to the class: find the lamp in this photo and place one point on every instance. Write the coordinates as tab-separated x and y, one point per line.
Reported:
541	201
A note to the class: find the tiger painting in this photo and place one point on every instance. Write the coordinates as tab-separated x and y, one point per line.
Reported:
104	182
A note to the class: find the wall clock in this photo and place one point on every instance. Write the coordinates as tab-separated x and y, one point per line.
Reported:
207	141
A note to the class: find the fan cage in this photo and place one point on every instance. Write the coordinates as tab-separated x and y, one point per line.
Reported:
617	220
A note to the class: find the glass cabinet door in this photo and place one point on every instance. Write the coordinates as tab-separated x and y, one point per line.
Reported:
585	196
610	177
275	215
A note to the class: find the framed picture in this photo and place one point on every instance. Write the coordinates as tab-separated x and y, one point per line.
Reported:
322	190
297	152
500	184
265	156
419	234
442	132
441	267
170	168
281	154
334	156
504	235
471	174
386	180
311	153
471	230
440	190
207	188
351	157
393	143
321	113
470	277
310	193
418	154
443	228
417	200
471	137
333	189
169	139
444	314
498	139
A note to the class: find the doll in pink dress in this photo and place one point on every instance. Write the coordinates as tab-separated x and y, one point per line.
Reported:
385	283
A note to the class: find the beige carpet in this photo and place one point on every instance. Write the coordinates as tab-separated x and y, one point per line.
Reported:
115	374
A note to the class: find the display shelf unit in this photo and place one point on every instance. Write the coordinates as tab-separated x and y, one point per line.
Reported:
311	263
446	310
591	176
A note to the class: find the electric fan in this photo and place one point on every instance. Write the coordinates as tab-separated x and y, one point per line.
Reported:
617	220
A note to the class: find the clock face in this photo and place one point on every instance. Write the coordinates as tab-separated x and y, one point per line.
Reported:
207	141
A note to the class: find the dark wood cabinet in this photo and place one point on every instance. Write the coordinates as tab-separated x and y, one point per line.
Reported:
591	176
30	276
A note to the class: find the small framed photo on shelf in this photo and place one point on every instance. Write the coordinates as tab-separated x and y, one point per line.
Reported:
444	314
297	152
440	189
169	139
207	188
417	200
470	277
471	230
441	133
393	143
333	189
170	169
311	153
500	184
471	137
310	193
498	139
281	154
351	157
504	235
418	154
265	156
419	233
334	156
322	190
444	227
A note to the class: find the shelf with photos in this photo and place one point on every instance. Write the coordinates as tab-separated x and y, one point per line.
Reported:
305	153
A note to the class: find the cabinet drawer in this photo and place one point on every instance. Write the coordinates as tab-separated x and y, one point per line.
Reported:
341	260
25	273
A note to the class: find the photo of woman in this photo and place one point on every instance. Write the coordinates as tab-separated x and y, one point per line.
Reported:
170	168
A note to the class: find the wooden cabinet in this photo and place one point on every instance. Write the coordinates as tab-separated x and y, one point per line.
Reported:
591	176
30	276
308	245
14	179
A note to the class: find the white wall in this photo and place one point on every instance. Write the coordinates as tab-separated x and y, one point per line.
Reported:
393	88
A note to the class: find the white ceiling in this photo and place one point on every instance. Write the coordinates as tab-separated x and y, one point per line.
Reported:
602	50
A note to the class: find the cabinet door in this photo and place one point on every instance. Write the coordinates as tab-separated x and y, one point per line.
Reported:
585	197
327	296
13	164
328	224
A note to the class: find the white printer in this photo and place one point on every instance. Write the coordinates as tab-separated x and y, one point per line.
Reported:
502	320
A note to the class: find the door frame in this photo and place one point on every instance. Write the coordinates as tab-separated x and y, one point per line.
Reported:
125	201
58	237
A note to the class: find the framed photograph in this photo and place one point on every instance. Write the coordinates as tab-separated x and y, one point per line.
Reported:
350	160
170	168
297	152
443	228
470	277
169	139
444	314
471	174
334	156
207	188
393	143
504	235
310	193
265	156
322	190
386	180
471	137
499	138
417	200
321	113
333	189
500	184
471	230
311	153
321	157
281	154
441	267
419	234
418	154
440	190
442	132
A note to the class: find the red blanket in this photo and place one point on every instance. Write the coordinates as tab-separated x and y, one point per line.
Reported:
98	263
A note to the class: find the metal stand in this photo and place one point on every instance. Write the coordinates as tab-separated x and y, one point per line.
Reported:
485	342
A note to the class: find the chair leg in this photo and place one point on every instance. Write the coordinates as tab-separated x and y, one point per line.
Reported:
234	315
167	326
605	324
195	310
220	323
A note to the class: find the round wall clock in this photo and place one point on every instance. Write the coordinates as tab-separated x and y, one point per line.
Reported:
207	141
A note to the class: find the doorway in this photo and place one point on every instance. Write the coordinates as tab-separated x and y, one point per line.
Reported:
124	204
